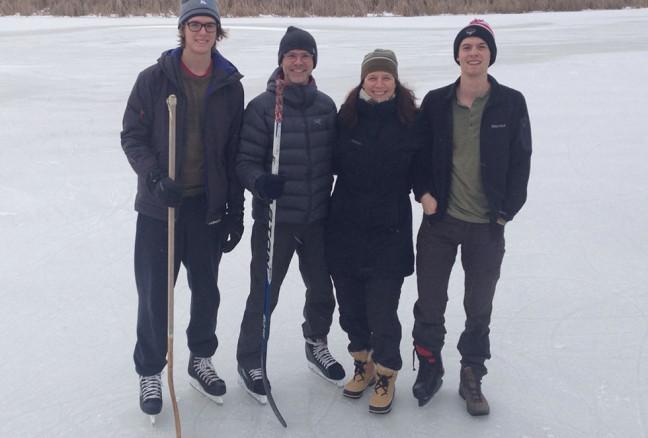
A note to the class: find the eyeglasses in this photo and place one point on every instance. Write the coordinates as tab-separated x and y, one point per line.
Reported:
195	26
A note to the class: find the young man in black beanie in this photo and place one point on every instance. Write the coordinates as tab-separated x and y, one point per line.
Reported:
302	190
206	193
472	180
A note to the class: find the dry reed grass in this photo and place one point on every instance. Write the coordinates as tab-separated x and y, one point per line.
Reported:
308	7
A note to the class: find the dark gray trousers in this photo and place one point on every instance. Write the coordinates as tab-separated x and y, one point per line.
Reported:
482	251
308	241
198	247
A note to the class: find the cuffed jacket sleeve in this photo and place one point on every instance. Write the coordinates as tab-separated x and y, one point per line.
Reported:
235	194
519	162
137	134
422	180
254	144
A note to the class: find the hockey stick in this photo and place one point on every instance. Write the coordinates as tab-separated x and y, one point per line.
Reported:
171	104
276	145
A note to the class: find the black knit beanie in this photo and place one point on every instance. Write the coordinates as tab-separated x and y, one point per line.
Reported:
297	39
480	29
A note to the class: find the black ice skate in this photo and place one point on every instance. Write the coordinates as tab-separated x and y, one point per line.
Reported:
252	381
429	377
322	363
151	395
205	380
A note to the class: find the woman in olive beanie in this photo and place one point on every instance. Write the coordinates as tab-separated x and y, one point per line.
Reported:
369	246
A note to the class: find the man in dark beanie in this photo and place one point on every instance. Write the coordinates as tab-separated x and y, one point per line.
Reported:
477	29
471	181
296	38
301	190
206	195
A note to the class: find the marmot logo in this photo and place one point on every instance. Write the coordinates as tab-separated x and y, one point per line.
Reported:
501	125
470	31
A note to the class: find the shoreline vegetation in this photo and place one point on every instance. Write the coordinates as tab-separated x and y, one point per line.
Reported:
304	8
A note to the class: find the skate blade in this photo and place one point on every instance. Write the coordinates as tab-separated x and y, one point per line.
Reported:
215	398
316	370
153	418
423	400
261	399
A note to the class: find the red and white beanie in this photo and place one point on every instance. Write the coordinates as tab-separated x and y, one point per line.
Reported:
480	29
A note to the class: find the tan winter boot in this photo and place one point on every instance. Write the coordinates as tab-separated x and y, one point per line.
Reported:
383	395
363	376
470	390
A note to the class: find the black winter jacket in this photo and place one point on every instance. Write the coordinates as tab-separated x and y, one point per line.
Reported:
505	148
370	224
145	134
307	136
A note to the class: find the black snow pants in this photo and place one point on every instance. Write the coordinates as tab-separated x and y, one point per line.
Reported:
198	247
368	305
308	241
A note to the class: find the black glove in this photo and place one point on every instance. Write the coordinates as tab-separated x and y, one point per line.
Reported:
165	189
432	218
232	231
270	186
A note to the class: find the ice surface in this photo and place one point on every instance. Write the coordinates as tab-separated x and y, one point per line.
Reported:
570	326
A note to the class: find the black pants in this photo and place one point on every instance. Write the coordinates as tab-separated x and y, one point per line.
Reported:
198	247
308	242
482	251
368	307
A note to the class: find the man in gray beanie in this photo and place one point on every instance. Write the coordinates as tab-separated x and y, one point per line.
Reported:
471	181
192	8
206	194
302	189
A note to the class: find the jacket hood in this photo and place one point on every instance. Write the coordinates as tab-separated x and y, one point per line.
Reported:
223	69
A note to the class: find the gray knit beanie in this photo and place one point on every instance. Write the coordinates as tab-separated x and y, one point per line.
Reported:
192	8
379	60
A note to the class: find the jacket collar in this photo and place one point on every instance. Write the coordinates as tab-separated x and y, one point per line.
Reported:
223	73
297	96
495	91
376	109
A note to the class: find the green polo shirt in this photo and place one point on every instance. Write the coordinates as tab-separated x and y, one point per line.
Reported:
193	167
467	200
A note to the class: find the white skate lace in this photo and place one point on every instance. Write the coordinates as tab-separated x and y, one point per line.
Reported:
256	374
205	370
323	355
151	386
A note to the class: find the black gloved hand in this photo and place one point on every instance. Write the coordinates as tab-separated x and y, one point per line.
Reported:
165	189
270	186
232	231
432	218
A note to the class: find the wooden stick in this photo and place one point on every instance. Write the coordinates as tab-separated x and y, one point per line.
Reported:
171	103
